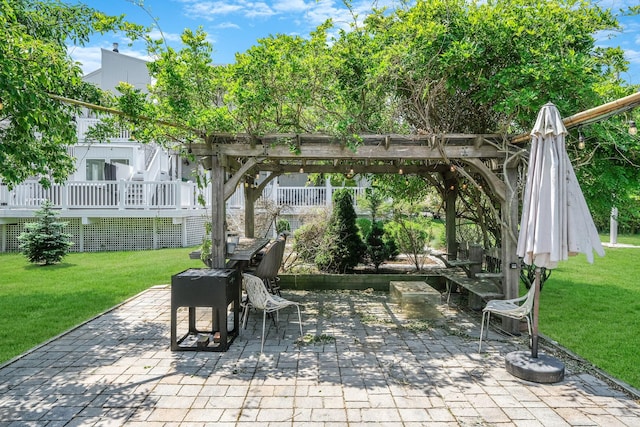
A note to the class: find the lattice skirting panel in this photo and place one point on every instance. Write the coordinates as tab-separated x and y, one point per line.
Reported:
118	234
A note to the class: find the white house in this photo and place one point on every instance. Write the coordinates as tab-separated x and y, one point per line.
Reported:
125	195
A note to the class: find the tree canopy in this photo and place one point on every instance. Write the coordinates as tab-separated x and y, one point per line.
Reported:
437	66
36	130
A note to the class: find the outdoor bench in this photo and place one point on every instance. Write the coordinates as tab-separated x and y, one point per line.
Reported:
480	289
492	265
479	274
467	257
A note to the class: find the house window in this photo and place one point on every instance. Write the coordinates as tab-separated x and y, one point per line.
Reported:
103	169
95	169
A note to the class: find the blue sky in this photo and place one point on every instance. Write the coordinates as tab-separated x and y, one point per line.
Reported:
235	25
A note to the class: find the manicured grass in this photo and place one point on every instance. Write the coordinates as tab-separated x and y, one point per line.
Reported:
594	309
37	303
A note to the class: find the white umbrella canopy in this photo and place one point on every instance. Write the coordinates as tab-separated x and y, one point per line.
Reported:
556	222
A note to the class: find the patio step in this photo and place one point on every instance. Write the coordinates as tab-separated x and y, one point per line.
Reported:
415	300
414	292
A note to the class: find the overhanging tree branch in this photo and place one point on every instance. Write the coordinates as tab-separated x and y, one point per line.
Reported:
202	134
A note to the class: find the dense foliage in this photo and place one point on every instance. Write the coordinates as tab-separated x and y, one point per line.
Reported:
35	129
432	67
608	169
436	66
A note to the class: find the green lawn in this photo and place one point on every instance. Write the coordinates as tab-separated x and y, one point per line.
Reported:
594	309
40	302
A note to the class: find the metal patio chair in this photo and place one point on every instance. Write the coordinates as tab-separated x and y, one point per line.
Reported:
259	298
516	308
269	266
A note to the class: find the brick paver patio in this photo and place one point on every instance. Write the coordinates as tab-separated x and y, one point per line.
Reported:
364	362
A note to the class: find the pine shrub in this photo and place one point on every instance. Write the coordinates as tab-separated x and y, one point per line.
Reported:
377	251
342	248
44	242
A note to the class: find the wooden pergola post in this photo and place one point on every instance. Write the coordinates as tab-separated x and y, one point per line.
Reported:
250	196
451	195
218	214
510	262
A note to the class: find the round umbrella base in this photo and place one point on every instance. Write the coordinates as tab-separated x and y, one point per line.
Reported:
541	369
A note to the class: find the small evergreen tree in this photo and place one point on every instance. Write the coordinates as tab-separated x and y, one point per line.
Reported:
380	246
342	248
44	242
364	225
377	251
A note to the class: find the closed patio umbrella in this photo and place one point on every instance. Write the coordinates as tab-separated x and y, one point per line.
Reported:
556	221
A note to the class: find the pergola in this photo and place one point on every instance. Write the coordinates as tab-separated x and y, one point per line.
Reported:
240	157
235	158
495	158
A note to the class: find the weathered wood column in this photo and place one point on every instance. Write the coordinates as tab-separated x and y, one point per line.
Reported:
250	197
451	195
511	280
218	214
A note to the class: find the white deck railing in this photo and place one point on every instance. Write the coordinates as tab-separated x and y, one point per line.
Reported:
102	195
295	198
149	195
83	125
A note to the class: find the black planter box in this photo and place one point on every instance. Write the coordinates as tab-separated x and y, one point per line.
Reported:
218	289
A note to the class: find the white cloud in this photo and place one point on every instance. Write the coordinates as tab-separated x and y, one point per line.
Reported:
169	37
633	56
342	17
209	10
291	6
227	25
315	12
326	9
258	10
88	57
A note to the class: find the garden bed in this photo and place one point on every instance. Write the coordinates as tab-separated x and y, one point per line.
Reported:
359	281
365	277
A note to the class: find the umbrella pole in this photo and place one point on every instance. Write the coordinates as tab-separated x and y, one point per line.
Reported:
530	366
536	307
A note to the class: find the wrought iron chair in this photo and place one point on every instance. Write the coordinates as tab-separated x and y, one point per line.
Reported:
516	308
261	299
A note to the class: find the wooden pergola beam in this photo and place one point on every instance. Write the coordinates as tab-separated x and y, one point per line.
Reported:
598	113
385	140
357	169
328	151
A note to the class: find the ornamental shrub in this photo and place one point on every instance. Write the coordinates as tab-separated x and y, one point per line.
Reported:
377	251
43	242
342	247
412	235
